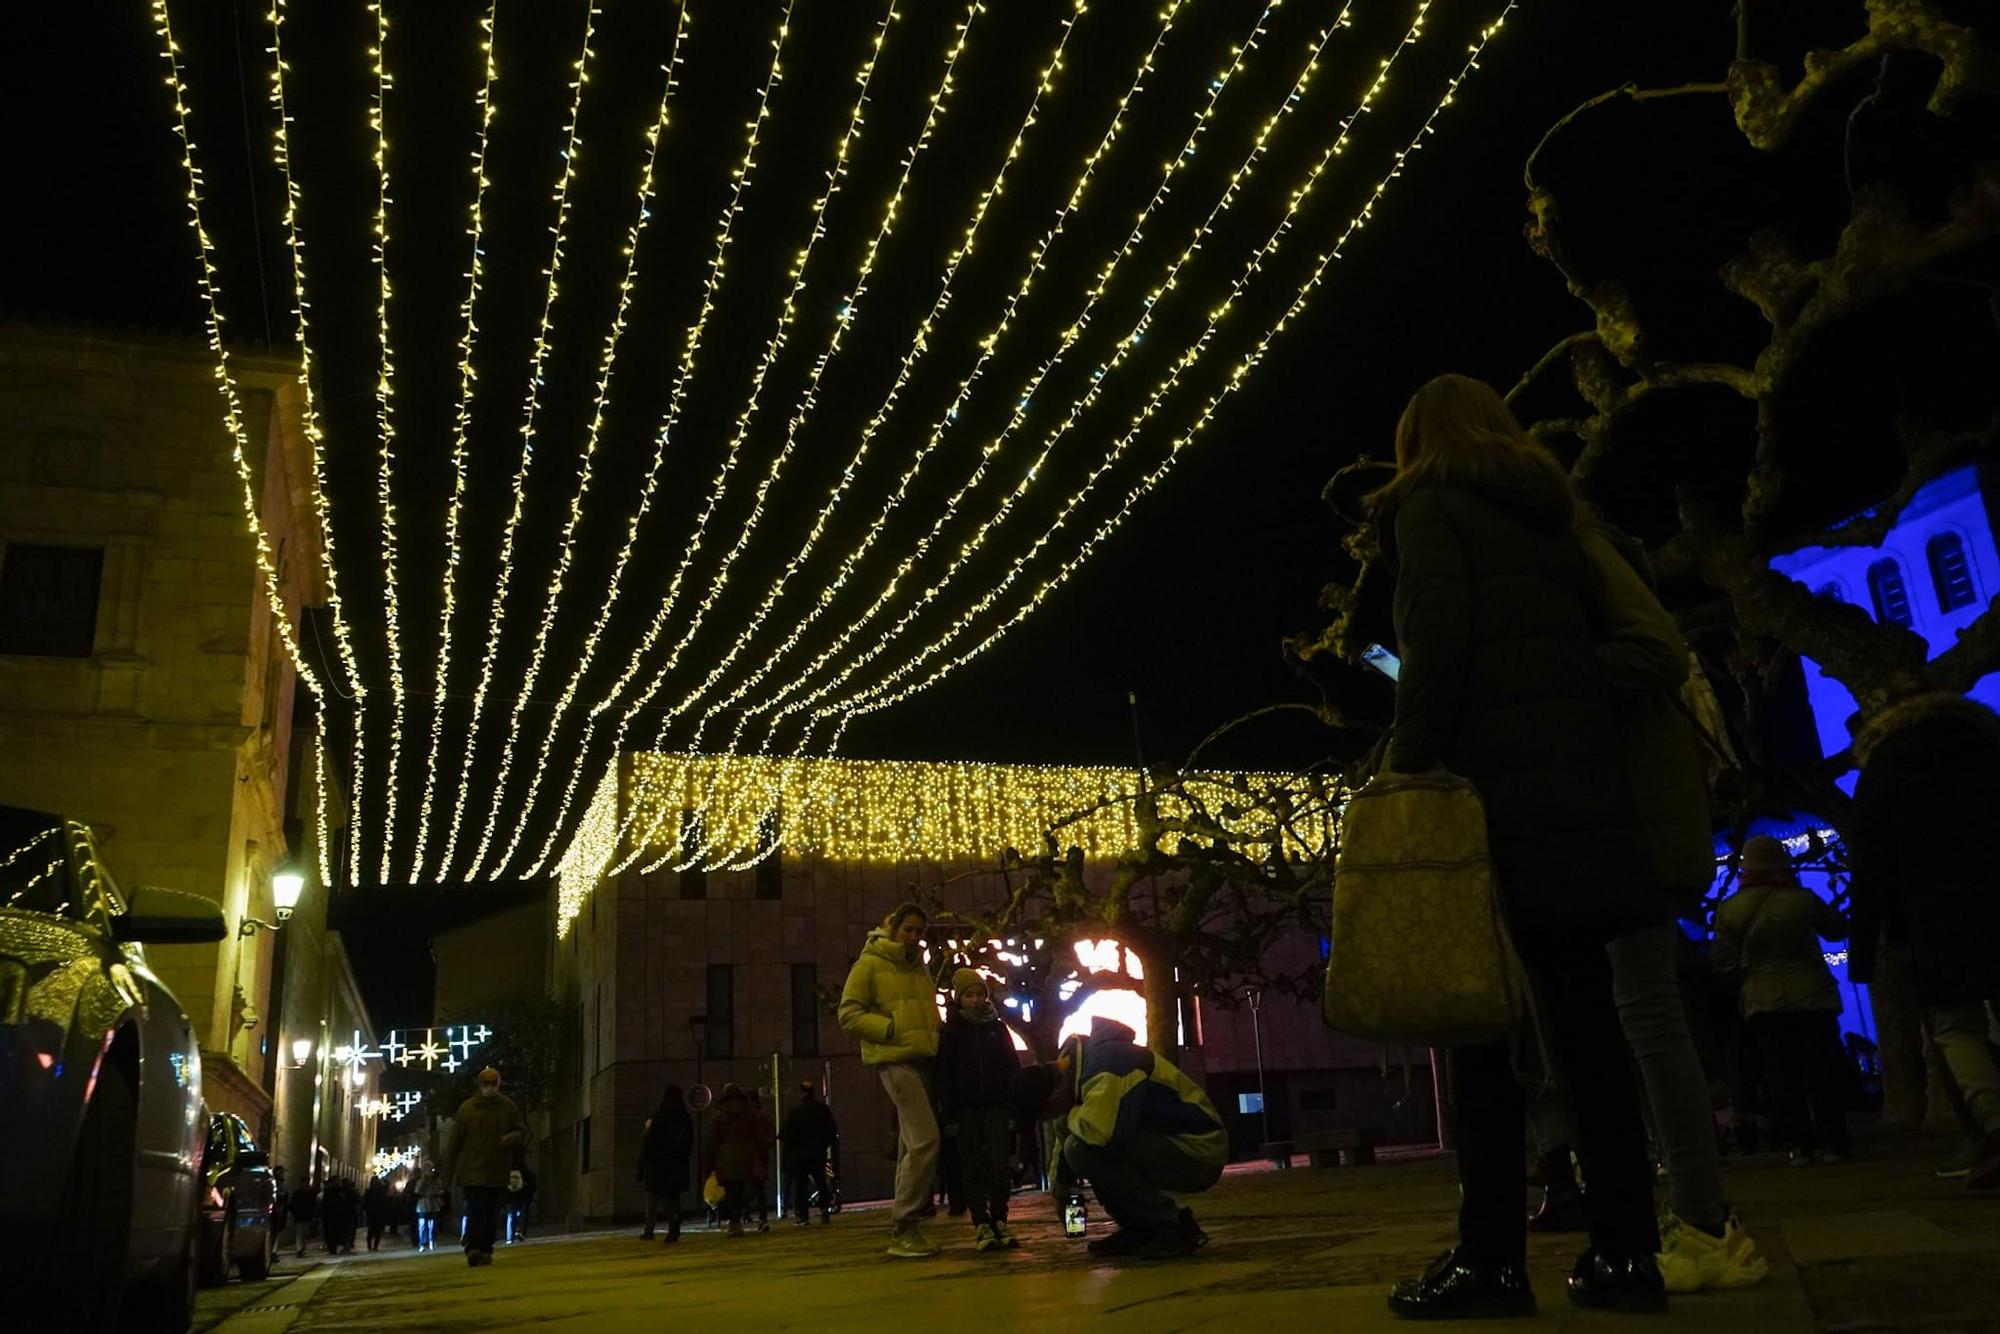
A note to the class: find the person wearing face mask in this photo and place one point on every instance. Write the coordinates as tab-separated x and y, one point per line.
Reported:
485	1134
975	1073
890	1003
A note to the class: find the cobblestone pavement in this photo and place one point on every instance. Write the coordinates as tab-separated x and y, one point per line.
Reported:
1874	1244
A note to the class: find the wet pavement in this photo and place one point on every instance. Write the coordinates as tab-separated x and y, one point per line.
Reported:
1874	1244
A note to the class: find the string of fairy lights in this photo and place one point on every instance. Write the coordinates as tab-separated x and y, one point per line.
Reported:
531	410
1189	358
803	409
774	346
785	710
461	424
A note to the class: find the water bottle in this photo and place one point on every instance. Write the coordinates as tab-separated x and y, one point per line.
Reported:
1075	1220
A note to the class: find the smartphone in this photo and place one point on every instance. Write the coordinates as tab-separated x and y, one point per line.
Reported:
1382	660
1075	1222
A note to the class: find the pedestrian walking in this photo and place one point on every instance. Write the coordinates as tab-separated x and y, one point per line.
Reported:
1930	774
664	1152
766	1130
375	1207
976	1066
890	1003
521	1183
485	1133
340	1209
808	1135
305	1212
733	1151
432	1204
1769	932
1500	682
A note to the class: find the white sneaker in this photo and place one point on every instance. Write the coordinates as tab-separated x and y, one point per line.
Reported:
911	1244
1691	1260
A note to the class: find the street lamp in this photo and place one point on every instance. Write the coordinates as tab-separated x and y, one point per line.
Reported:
302	1052
286	886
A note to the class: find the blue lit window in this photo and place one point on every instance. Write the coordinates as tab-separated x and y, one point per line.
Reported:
1892	598
1830	592
1950	574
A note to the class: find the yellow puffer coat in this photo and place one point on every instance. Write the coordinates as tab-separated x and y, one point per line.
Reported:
890	1004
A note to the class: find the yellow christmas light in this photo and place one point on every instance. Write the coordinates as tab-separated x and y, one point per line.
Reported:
385	424
319	799
1188	359
988	346
875	529
939	101
918	345
879	696
787	315
897	812
232	408
531	409
461	426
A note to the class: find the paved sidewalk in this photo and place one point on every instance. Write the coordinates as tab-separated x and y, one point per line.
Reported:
1875	1244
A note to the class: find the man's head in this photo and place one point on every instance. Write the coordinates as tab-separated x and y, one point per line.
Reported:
808	1092
1044	1091
489	1083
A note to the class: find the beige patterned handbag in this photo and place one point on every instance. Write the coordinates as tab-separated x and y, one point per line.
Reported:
1420	952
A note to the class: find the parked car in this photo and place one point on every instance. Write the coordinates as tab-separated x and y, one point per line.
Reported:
101	1118
236	1208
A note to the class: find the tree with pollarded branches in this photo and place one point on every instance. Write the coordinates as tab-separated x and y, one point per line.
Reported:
1785	368
1225	871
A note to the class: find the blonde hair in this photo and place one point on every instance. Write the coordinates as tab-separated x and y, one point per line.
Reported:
1458	431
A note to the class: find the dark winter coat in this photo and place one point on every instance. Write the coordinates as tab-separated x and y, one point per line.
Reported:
976	1065
1924	877
809	1132
666	1149
484	1136
733	1145
1501	683
305	1204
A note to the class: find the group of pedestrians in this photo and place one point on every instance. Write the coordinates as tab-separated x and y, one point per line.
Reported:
1536	661
737	1155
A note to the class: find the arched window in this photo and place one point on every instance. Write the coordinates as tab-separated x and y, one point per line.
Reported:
1891	596
1950	574
1830	592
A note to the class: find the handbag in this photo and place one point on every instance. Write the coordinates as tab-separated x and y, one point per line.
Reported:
1419	951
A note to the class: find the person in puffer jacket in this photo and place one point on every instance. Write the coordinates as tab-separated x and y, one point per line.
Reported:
976	1065
1136	1128
890	1003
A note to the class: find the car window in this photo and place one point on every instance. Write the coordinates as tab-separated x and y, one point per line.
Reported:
244	1144
34	865
217	1150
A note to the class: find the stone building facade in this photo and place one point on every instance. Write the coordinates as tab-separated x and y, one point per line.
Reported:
142	687
710	977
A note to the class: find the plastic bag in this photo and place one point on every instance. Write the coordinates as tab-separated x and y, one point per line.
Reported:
712	1193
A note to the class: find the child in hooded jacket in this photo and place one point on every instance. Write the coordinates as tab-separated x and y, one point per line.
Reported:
976	1065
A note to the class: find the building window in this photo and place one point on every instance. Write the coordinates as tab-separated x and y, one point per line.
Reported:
721	1012
1892	598
805	1010
1950	574
694	880
48	599
1830	592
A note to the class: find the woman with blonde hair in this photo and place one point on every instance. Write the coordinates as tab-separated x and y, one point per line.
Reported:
1501	683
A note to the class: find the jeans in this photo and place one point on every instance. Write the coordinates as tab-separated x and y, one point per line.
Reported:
426	1232
482	1218
1646	986
985	1143
1132	1181
1574	988
1800	1049
916	1139
1960	1035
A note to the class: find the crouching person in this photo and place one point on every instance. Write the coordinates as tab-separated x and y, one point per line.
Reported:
1138	1130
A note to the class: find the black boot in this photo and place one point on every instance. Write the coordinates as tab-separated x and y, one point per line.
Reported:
1561	1209
1630	1284
1458	1288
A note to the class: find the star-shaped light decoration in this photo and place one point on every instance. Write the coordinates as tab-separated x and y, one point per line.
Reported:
431	1051
395	1049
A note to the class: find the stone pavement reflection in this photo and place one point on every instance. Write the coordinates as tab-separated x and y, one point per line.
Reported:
1877	1243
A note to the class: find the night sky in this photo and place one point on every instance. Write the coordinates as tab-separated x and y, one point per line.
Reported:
1186	605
